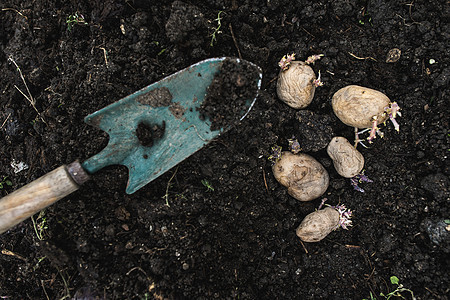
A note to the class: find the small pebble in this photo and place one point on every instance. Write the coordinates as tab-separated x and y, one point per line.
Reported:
438	233
393	55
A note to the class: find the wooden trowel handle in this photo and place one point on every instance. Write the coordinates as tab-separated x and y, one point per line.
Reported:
37	195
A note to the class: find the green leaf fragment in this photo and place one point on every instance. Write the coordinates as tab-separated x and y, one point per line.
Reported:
394	280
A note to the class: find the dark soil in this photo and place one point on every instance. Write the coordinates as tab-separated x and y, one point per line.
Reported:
229	229
229	96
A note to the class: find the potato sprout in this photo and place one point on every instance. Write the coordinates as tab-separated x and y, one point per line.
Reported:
317	225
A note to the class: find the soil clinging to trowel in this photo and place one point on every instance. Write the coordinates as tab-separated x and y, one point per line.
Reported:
147	134
230	94
156	98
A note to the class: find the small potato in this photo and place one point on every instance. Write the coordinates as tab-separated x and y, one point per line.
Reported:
346	159
305	178
356	106
295	86
317	225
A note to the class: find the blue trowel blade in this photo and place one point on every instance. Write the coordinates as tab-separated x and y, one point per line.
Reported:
171	106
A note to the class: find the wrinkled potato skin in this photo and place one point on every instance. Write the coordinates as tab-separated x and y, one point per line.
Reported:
317	225
356	105
305	178
347	161
295	85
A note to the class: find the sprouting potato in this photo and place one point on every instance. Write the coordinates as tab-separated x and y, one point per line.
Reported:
305	178
347	161
317	225
295	85
358	106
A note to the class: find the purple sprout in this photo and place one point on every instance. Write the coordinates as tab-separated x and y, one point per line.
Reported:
374	130
322	203
313	58
345	215
276	154
318	82
354	181
286	61
392	111
294	145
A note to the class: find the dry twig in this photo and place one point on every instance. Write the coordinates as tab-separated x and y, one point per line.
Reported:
304	248
29	97
5	121
137	268
361	58
166	196
45	291
13	9
10	253
105	55
265	182
234	40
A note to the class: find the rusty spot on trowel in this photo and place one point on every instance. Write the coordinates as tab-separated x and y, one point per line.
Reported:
177	110
157	98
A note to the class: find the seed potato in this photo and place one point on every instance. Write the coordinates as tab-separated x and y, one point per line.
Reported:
356	106
347	161
305	178
317	225
295	85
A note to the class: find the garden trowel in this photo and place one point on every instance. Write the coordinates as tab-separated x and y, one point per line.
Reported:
149	131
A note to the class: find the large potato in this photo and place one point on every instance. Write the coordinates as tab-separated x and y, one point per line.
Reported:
305	178
295	86
347	161
317	225
356	106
